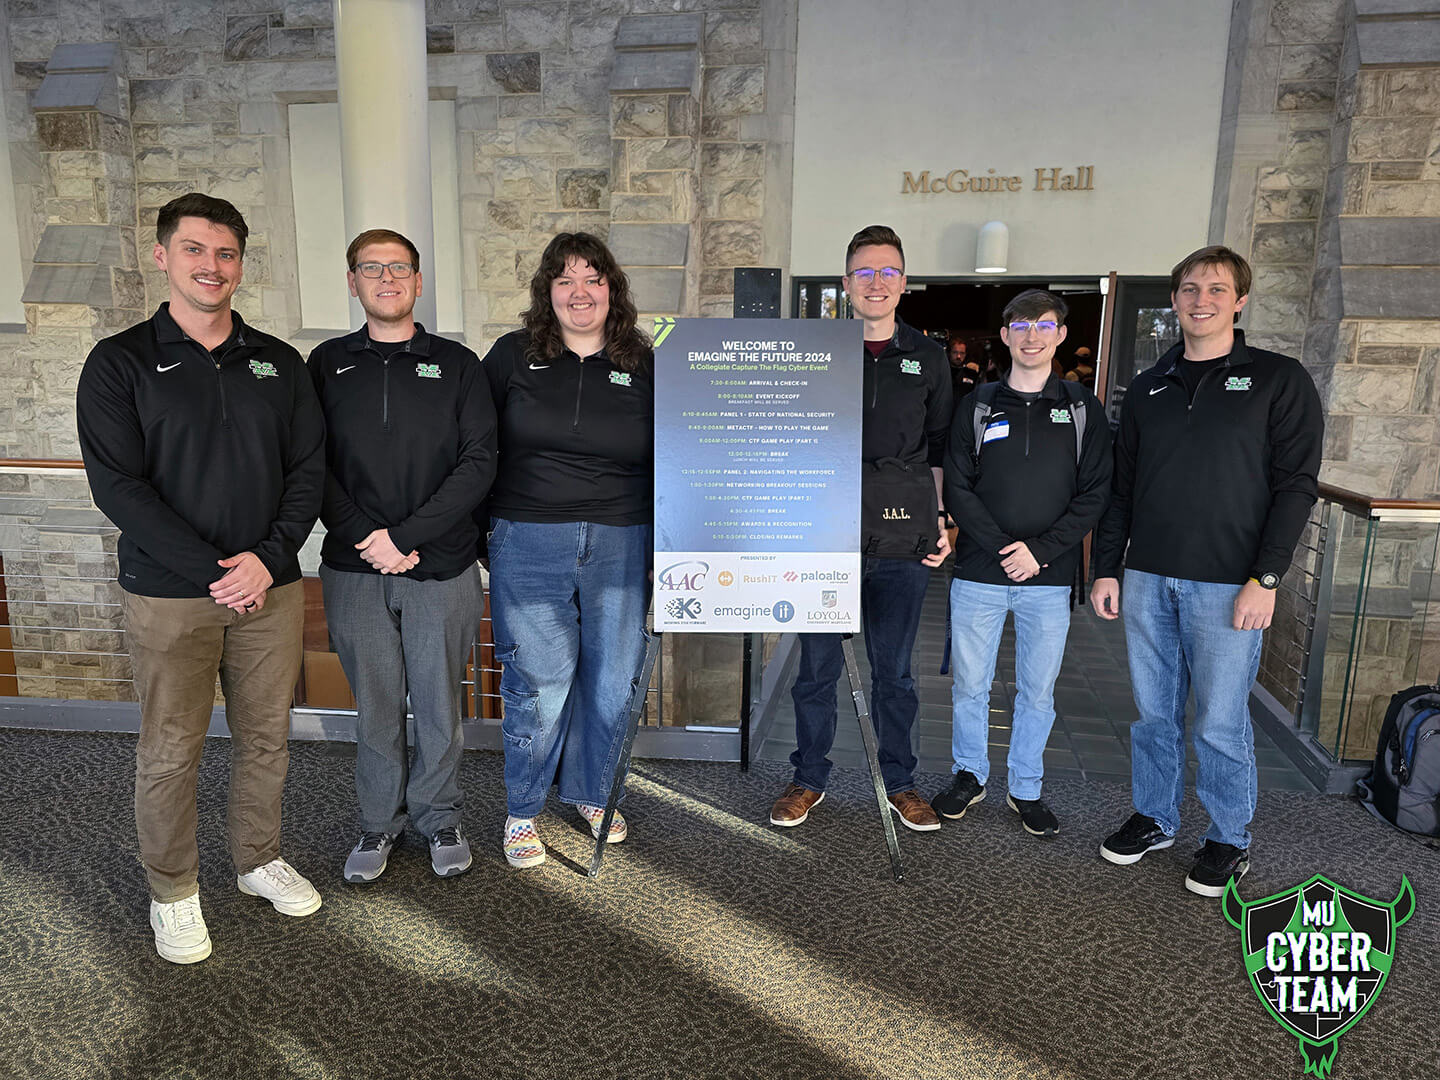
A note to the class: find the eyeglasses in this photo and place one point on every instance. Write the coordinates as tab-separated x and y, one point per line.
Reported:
375	270
866	276
1043	326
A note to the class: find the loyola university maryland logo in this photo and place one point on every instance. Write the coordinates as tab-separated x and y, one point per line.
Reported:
1318	955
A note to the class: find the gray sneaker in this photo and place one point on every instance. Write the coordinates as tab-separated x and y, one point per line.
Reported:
449	852
369	857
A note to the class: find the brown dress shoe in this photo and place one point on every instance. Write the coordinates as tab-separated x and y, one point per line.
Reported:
793	807
915	813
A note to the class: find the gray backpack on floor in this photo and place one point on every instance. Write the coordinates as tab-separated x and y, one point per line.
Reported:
1404	785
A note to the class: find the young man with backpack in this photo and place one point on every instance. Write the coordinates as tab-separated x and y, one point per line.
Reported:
1027	475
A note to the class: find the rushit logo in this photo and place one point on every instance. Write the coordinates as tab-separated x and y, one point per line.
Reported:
726	578
1317	956
683	607
688	576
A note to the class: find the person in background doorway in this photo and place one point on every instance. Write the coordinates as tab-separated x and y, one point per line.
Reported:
964	370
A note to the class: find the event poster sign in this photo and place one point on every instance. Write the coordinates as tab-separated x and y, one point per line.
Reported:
757	475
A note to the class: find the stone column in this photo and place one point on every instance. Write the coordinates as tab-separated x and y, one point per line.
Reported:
385	127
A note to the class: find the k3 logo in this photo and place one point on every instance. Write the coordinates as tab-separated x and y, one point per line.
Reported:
683	607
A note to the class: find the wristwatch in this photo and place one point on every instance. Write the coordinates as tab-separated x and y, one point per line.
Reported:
1267	580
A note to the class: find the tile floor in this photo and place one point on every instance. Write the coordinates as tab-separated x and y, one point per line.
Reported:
1094	709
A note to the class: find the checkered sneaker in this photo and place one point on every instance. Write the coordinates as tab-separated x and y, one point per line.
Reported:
593	815
522	843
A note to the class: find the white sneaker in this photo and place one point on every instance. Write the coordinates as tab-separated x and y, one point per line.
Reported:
180	933
283	886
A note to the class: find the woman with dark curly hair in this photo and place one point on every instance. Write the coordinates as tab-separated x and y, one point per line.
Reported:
570	546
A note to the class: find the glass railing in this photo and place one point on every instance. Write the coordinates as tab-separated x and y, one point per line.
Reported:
1356	619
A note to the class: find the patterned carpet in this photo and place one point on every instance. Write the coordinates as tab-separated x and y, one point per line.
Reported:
713	945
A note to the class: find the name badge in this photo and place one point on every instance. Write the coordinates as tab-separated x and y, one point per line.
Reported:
998	430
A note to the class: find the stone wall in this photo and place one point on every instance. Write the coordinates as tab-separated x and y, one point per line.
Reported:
196	98
1329	180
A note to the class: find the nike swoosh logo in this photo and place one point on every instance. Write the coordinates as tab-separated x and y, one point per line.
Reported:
1156	390
538	367
159	368
341	371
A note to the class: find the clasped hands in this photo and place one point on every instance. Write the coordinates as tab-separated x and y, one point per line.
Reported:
1017	562
380	551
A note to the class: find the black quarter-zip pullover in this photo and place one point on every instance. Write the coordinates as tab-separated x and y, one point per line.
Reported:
1026	484
907	400
410	447
197	456
1219	488
577	437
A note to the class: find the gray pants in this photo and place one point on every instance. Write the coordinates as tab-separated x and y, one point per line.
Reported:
394	634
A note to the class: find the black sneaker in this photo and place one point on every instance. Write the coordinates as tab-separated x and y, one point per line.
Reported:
1034	815
1137	836
1215	865
964	792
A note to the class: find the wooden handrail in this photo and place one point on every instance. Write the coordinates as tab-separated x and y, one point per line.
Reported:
1364	504
41	463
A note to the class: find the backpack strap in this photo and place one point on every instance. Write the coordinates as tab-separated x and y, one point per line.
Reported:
984	405
1075	402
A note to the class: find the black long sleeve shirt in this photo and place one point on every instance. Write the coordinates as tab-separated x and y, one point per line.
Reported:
1026	484
907	400
1219	488
197	456
410	447
577	437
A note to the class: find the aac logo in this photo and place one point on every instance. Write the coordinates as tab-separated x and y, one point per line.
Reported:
686	576
725	577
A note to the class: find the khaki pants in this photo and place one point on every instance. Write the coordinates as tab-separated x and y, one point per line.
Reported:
177	647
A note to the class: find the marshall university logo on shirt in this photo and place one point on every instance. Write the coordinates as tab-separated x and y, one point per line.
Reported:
263	369
428	371
1059	416
1236	382
620	378
910	367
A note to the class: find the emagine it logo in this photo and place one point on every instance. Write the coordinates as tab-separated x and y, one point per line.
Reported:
1317	956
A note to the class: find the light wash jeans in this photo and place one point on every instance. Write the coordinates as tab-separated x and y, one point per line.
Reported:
569	602
1179	635
977	617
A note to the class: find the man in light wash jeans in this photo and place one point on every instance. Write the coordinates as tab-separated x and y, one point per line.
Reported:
1024	490
1215	474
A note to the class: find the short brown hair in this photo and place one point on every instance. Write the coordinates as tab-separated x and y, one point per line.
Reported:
195	204
1032	303
873	236
1214	255
380	236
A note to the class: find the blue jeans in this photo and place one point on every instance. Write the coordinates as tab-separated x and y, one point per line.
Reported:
977	617
1179	634
569	603
891	594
